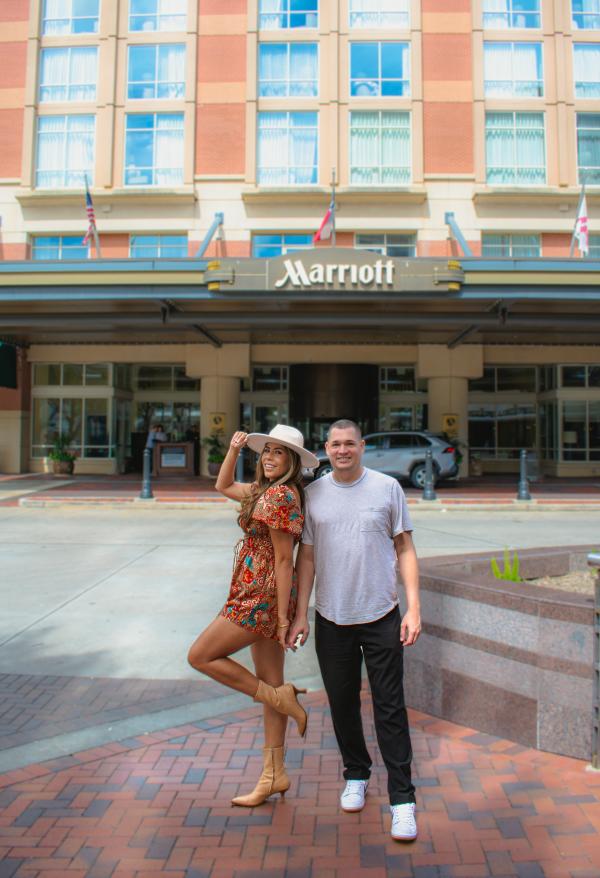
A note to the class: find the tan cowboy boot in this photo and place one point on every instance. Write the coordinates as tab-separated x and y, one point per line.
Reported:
272	780
283	699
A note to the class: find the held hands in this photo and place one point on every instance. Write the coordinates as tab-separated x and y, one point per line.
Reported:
410	627
238	440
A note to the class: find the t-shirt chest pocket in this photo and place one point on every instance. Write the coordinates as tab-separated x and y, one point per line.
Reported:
374	518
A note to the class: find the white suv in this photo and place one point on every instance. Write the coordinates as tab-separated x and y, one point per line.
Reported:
403	455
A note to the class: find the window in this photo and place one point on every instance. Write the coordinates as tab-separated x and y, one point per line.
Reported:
165	377
586	14
520	379
586	62
511	13
515	148
515	246
379	13
154	149
267	246
580	376
388	245
501	431
70	17
595	246
287	148
57	374
379	69
160	15
397	379
588	147
288	70
284	14
158	246
65	151
513	70
68	74
156	72
59	247
380	148
271	378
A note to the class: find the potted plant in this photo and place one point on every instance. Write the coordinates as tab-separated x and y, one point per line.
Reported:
63	460
216	452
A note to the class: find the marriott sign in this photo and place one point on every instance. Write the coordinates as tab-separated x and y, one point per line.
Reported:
379	273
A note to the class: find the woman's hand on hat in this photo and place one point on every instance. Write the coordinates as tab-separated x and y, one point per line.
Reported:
238	440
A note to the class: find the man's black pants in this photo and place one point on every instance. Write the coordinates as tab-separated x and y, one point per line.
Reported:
340	650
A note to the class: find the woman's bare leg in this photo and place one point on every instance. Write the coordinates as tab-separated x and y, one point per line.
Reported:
210	653
268	657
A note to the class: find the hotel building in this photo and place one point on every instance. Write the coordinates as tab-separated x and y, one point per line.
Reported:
458	135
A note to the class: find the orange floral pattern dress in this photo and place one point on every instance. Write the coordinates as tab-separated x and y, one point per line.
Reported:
252	601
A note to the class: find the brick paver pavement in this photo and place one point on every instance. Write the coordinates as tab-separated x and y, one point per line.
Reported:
34	707
159	805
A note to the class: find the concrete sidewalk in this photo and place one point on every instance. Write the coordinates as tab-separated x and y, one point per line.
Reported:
489	492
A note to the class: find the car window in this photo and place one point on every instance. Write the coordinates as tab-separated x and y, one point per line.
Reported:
372	443
404	440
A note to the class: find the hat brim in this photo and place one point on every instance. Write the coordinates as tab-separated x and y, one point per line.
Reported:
257	441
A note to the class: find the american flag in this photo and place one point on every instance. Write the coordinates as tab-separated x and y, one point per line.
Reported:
89	209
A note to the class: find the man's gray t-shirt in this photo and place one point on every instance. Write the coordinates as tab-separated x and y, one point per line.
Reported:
351	527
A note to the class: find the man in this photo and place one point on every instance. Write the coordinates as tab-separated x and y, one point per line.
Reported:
356	539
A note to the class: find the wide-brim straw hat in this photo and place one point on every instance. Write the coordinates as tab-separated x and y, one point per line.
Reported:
281	434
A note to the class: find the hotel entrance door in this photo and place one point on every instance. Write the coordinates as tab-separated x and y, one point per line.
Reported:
321	393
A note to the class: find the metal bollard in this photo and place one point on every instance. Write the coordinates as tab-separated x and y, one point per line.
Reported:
147	476
523	493
428	489
593	560
239	467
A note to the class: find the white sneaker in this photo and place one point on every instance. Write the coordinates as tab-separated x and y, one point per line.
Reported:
404	825
353	797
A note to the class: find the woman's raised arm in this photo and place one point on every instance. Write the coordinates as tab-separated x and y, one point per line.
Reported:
225	483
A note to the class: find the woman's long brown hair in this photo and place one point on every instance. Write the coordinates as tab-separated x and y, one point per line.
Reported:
292	478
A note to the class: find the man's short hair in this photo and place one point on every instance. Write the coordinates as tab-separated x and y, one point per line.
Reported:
344	424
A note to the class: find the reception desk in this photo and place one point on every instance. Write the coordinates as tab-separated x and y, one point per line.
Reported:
173	459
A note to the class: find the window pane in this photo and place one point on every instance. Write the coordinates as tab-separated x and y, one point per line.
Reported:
65	151
397	378
573	431
154	149
586	14
380	151
511	14
71	422
573	376
487	383
96	428
183	382
45	428
96	374
588	147
516	429
268	378
157	15
154	378
158	246
287	148
279	14
379	13
594	430
521	378
515	151
586	62
46	374
513	69
593	376
482	430
70	17
72	374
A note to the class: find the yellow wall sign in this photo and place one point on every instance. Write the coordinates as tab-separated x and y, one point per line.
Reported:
450	425
216	422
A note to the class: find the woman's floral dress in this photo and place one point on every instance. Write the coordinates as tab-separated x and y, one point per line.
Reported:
252	601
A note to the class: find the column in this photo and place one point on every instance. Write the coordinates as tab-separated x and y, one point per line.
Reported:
218	395
448	372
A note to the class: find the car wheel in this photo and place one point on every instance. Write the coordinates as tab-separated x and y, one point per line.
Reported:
323	471
417	477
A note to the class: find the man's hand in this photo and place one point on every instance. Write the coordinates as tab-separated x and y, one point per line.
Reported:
299	627
410	628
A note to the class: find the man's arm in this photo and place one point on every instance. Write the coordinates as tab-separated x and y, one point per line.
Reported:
409	571
305	568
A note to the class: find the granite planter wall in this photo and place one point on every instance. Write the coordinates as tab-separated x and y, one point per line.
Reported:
510	659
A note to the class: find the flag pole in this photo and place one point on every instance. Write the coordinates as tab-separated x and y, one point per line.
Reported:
579	203
334	207
97	244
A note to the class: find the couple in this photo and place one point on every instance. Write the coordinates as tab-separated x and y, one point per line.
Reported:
355	535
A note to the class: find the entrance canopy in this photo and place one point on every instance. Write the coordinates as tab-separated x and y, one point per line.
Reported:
326	295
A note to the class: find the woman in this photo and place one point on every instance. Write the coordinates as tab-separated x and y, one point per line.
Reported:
262	598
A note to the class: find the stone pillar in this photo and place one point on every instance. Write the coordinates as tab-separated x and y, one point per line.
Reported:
219	370
448	371
218	394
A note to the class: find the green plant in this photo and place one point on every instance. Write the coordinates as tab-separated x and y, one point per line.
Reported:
60	449
216	448
511	568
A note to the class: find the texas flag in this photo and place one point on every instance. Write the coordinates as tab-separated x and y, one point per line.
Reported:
581	227
326	227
